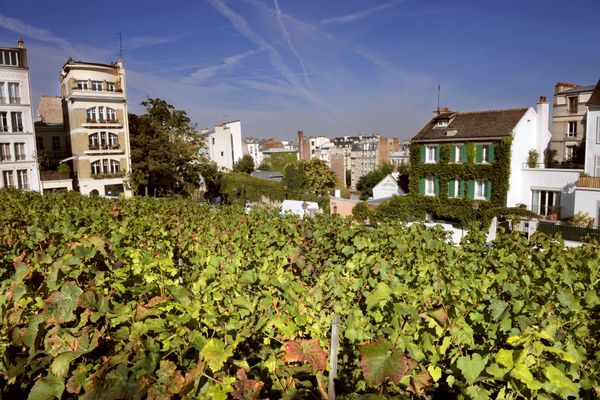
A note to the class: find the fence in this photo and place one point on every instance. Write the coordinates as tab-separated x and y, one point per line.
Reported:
574	233
589	182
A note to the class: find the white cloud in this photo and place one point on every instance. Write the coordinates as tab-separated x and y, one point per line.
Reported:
344	19
227	64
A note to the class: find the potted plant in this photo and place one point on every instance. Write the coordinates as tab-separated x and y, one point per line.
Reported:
532	158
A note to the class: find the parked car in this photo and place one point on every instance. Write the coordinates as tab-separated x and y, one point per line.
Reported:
248	207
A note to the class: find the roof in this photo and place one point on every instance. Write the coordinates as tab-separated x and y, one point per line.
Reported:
279	150
578	89
472	125
595	98
71	62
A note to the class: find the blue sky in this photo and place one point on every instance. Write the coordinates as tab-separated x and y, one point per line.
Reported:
325	67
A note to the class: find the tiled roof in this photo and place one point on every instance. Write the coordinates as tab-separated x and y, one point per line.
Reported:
578	89
595	98
472	125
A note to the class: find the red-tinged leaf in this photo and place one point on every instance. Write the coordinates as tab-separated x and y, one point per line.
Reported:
78	378
419	383
157	300
246	389
379	361
308	351
440	315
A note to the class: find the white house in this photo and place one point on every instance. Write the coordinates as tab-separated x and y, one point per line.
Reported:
388	187
18	154
224	144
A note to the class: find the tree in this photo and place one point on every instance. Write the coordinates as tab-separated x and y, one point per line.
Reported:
294	179
165	150
321	179
244	164
367	182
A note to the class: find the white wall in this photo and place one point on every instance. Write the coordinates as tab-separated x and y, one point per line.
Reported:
592	143
387	187
588	200
235	130
562	180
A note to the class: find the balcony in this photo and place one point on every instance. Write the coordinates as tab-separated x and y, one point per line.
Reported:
54	175
108	175
14	100
589	182
101	121
95	147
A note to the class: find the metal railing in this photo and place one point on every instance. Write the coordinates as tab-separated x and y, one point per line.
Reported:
101	121
567	232
54	175
104	146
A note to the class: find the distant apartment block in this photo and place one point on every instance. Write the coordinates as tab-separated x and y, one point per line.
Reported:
95	115
253	148
18	155
568	119
223	144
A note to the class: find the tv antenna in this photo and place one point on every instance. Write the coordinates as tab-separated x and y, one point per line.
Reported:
438	103
120	46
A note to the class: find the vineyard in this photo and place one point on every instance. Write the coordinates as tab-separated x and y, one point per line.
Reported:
164	298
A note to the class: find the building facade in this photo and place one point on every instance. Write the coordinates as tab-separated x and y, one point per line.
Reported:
568	120
484	157
95	110
252	148
223	145
18	154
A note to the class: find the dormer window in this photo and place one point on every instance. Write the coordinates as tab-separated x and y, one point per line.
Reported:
442	122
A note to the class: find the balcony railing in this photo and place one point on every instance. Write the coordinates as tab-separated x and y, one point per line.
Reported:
14	100
101	121
107	175
589	182
104	146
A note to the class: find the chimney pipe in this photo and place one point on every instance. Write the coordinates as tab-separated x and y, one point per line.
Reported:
542	100
20	43
300	142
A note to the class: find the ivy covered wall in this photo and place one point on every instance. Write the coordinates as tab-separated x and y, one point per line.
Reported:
445	171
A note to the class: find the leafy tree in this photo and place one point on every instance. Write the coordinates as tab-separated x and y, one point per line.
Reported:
165	150
264	166
367	182
244	164
295	180
212	178
321	178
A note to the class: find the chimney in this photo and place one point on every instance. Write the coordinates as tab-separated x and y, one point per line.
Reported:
560	86
543	132
20	43
300	142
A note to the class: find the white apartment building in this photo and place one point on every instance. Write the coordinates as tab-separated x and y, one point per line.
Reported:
252	148
18	155
223	145
95	102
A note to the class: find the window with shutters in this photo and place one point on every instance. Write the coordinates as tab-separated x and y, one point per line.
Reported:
480	189
430	154
485	153
456	189
429	186
457	152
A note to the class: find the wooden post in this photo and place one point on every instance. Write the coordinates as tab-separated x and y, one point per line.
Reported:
333	356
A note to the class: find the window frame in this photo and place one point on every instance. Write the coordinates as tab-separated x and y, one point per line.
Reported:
5	154
430	150
82	84
479	184
429	184
8	179
97	86
572	133
20	153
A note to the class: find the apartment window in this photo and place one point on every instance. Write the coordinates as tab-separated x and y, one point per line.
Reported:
569	153
13	93
429	187
455	189
113	190
9	57
110	86
97	86
430	154
111	114
40	143
82	85
572	129
113	140
3	122
91	114
101	113
480	186
105	166
16	118
221	154
22	179
213	141
5	152
55	143
545	202
20	151
573	105
2	96
7	178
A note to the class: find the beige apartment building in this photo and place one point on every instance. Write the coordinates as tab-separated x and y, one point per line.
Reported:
568	118
95	110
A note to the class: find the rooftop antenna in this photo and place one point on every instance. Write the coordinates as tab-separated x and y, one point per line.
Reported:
438	103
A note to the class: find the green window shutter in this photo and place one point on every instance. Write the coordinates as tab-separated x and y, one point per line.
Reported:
437	153
488	190
478	153
422	186
463	154
471	189
492	150
461	189
437	186
451	188
423	150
